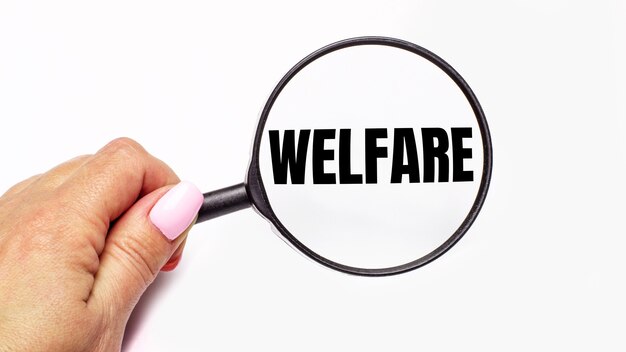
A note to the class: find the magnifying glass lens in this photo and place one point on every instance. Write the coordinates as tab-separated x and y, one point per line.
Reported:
371	156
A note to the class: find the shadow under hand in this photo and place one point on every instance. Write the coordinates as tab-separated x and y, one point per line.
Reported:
145	304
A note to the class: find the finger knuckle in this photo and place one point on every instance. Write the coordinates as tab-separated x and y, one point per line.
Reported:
140	256
125	146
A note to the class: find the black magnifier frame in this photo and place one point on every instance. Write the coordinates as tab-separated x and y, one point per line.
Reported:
252	192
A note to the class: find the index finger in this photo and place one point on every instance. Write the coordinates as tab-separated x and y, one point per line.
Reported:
115	178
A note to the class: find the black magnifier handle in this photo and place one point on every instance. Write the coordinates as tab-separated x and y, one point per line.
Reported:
223	201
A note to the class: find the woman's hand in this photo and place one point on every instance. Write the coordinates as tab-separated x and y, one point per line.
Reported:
79	245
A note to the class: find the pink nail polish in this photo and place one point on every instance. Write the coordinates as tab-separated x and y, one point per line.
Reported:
175	211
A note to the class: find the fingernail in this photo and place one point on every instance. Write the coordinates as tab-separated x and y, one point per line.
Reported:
175	211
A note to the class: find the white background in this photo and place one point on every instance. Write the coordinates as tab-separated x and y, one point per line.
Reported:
542	268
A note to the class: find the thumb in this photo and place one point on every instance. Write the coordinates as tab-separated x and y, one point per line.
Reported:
140	243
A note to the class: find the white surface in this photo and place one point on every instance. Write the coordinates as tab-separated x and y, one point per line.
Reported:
541	269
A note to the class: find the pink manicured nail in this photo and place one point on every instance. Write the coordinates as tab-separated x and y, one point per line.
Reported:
175	211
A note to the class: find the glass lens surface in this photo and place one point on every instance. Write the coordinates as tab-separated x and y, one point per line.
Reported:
371	156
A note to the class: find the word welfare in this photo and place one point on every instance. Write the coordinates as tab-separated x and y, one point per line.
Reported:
435	146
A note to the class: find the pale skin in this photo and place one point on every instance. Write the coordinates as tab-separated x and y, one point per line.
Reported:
77	250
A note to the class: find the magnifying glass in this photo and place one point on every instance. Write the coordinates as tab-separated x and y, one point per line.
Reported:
372	157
